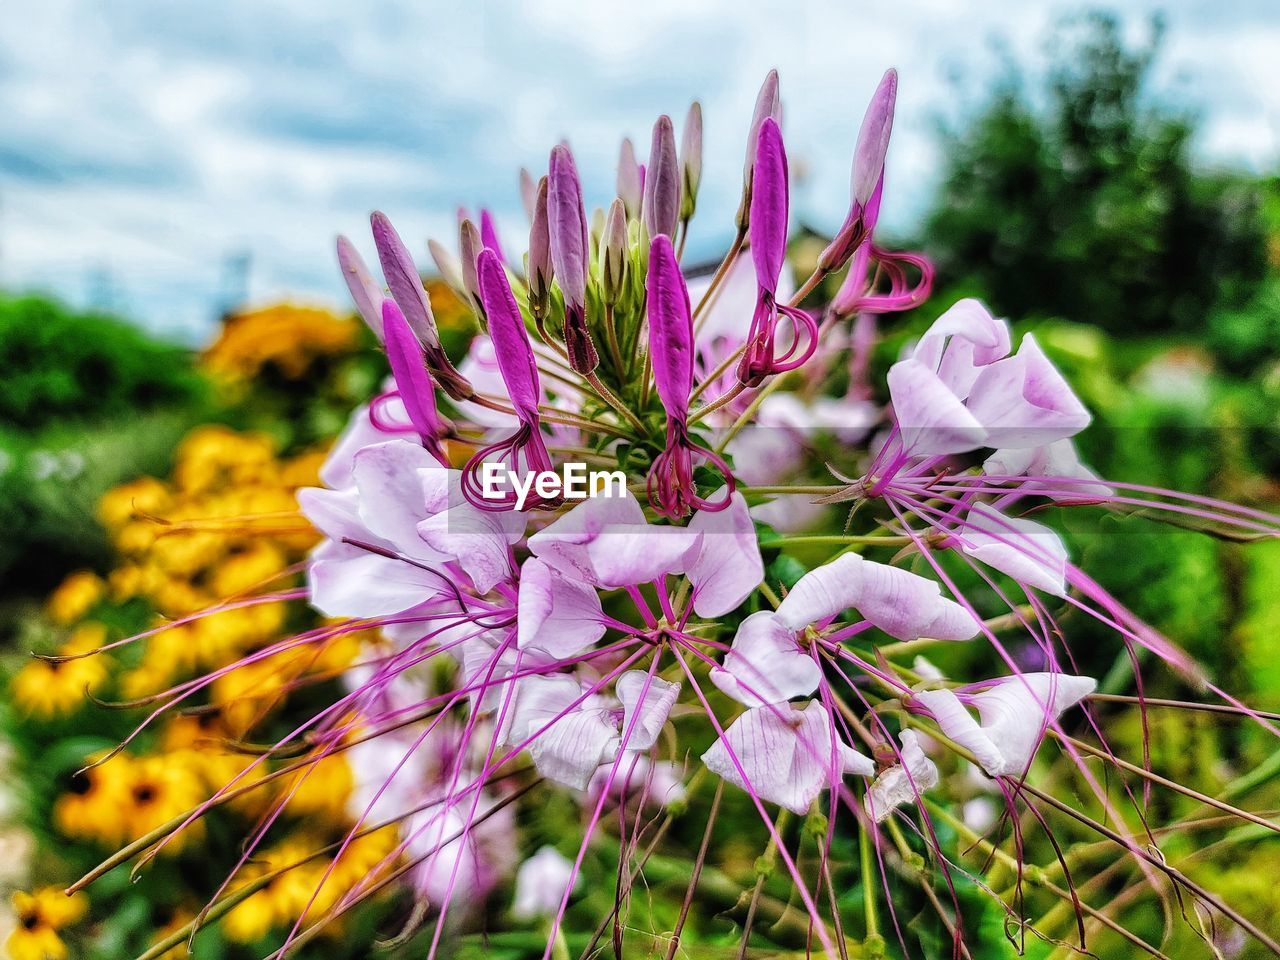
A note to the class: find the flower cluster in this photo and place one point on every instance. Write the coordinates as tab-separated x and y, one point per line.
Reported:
622	648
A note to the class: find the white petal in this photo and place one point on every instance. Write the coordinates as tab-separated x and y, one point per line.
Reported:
541	883
728	565
958	724
903	783
644	718
931	417
823	592
346	581
1017	711
558	614
786	754
907	606
766	664
1030	553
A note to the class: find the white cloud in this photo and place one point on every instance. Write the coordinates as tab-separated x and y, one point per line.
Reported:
149	139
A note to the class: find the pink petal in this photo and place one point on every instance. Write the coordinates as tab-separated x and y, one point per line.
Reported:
556	614
1023	401
391	479
958	724
931	417
564	543
625	555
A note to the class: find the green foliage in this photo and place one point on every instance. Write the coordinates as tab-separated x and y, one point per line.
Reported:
1081	201
61	365
1246	338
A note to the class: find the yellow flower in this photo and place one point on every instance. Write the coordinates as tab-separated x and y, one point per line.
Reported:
321	788
287	338
96	802
162	787
40	915
52	688
281	898
74	597
146	496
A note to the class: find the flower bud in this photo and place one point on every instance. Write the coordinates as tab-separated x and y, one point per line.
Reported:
365	291
539	268
567	227
867	176
405	284
630	179
768	104
613	252
404	281
661	211
691	161
873	139
450	267
469	247
528	192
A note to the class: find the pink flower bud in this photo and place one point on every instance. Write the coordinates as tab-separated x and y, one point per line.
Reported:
365	291
539	268
567	226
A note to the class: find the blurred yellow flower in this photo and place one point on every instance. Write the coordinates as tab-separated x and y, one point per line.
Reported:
284	337
96	802
74	597
52	688
163	786
40	915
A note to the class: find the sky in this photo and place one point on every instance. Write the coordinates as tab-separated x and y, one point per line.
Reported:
162	160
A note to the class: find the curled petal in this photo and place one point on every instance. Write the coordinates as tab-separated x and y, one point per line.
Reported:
903	783
646	702
1027	551
569	740
784	755
930	416
1023	401
766	665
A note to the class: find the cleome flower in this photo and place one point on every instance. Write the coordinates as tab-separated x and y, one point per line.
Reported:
662	649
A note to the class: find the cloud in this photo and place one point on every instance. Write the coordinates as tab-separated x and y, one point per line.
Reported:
150	141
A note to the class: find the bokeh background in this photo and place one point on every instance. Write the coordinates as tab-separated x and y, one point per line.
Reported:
174	345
